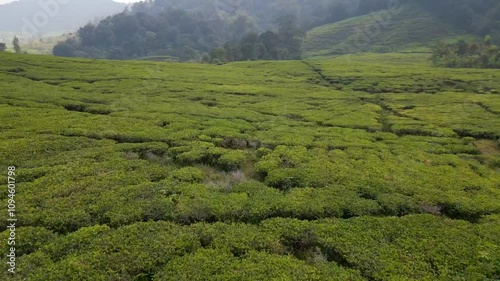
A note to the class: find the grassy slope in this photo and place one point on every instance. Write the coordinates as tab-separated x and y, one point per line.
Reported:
354	168
410	29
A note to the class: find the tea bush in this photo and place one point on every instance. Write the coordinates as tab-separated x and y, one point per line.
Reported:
361	167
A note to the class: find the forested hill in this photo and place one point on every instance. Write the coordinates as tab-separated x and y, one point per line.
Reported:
474	15
213	30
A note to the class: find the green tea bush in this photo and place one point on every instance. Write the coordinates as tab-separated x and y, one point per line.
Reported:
188	174
221	265
29	239
232	160
121	253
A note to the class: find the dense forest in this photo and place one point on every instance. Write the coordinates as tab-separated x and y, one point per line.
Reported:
230	30
128	35
481	17
269	45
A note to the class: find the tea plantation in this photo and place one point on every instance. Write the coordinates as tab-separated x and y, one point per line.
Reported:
361	167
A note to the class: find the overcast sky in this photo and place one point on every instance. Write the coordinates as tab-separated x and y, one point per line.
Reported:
122	1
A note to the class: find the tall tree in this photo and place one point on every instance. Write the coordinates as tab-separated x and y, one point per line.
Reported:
233	51
248	46
15	45
218	54
290	35
271	41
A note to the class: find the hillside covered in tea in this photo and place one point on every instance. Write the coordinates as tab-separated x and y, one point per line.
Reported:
361	167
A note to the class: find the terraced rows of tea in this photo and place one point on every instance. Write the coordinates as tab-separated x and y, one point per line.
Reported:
365	167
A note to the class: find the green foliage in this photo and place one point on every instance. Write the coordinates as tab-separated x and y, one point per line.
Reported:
221	265
131	251
217	55
29	239
188	174
233	160
283	45
174	32
186	30
351	168
64	50
466	14
467	55
15	45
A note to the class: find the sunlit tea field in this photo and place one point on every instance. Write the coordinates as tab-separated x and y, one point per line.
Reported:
362	167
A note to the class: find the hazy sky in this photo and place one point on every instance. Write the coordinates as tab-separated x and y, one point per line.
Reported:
122	1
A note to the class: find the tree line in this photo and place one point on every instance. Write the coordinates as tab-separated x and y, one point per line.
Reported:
464	54
15	46
133	35
480	17
214	30
284	44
